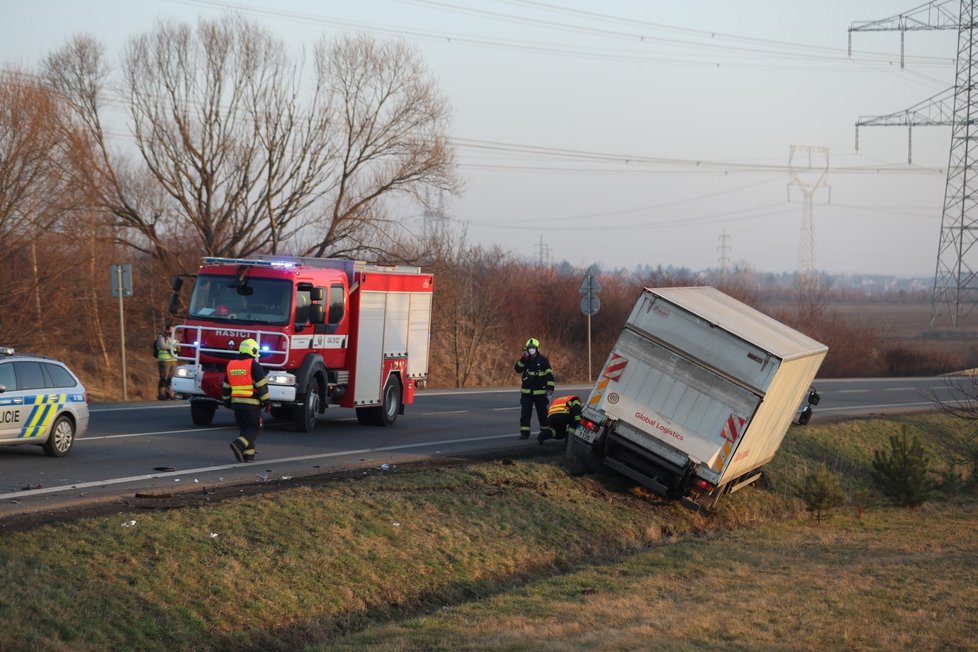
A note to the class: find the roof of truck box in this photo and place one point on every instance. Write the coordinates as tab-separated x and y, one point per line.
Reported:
740	319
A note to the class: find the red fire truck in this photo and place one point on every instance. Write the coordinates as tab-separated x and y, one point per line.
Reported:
331	332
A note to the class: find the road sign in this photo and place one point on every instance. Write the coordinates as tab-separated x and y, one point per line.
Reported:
590	304
121	275
590	284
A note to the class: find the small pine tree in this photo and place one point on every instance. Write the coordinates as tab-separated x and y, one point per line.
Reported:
902	472
820	491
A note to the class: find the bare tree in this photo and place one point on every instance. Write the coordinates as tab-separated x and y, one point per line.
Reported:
111	183
32	174
389	135
218	121
959	398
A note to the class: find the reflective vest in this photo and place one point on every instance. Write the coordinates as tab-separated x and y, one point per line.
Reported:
241	382
165	349
565	405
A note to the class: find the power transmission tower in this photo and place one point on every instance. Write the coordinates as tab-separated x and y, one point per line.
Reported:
955	281
543	250
810	177
435	222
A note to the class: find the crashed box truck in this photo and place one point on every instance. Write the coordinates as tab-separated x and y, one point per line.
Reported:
696	395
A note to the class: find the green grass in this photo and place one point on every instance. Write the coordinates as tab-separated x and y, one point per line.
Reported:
511	556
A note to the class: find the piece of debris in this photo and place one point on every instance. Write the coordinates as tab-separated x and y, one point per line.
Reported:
213	535
128	523
30	487
166	469
385	467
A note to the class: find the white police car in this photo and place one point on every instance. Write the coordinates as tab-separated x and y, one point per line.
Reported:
41	402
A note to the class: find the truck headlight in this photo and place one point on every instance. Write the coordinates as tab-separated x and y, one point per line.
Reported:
185	371
280	378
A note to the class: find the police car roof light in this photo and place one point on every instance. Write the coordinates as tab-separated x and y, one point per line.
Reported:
6	350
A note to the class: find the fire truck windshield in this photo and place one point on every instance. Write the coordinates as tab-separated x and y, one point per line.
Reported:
256	301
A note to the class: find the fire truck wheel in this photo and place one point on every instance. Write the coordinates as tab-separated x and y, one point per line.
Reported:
304	418
202	412
387	413
282	413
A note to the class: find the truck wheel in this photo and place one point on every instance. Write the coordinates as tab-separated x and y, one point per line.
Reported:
579	456
387	413
304	417
365	416
282	413
202	412
61	438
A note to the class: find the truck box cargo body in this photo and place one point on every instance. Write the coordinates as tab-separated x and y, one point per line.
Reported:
697	393
330	332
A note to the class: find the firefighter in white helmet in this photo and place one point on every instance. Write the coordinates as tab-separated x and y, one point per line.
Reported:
246	391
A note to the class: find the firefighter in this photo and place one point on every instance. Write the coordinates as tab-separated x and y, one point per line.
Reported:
246	391
563	413
536	388
166	362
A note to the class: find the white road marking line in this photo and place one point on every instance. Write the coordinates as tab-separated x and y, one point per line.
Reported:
852	391
238	465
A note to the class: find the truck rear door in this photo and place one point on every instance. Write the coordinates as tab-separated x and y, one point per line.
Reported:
671	405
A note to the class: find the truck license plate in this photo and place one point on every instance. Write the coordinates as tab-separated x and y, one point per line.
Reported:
586	435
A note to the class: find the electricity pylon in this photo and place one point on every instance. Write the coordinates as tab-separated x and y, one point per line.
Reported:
809	177
955	281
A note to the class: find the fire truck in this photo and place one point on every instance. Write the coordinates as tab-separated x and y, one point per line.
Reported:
331	332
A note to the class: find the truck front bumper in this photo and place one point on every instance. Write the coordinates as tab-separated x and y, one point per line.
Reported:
188	381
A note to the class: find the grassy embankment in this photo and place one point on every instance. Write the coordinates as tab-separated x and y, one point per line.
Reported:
513	556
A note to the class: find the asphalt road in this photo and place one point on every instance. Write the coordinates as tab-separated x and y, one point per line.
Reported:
154	448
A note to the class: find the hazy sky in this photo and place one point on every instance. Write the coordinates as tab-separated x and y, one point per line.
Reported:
633	132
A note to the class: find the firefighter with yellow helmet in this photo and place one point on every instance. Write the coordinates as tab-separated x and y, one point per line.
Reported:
536	387
246	391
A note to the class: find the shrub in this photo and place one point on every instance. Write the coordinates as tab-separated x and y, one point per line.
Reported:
902	472
820	490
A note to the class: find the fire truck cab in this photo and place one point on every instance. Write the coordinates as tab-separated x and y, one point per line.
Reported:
331	332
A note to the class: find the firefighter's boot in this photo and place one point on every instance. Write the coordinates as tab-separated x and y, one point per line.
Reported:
238	448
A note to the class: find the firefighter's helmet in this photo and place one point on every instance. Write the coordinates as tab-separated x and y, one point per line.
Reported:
250	347
532	342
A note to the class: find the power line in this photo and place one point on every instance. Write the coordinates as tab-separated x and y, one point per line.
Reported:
772	58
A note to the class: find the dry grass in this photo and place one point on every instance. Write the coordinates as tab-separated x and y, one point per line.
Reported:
514	555
895	579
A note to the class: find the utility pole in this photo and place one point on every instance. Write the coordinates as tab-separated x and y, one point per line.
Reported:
810	176
955	278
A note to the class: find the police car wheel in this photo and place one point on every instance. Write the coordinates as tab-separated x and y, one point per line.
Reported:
61	439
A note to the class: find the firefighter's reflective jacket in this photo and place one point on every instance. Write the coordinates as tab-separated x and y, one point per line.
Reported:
245	382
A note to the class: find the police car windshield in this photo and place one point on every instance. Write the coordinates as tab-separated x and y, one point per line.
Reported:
265	301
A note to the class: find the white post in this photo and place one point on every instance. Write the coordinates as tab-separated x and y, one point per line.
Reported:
122	331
